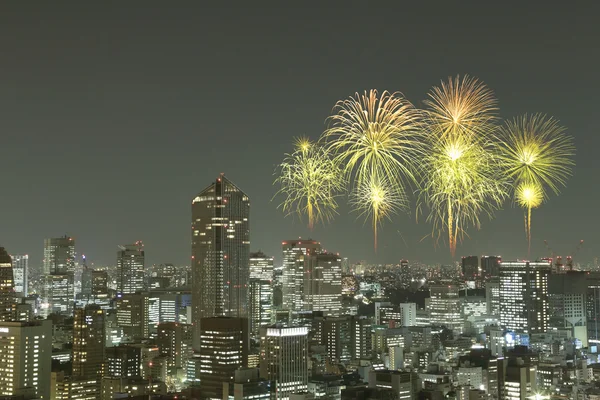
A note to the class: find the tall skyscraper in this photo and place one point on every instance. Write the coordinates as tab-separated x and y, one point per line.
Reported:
322	286
261	304
524	296
88	343
174	340
25	358
293	270
470	267
6	287
220	253
444	306
133	315
284	359
261	266
59	255
130	268
490	266
20	271
224	348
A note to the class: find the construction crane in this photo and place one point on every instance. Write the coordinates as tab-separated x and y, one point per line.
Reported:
573	253
549	249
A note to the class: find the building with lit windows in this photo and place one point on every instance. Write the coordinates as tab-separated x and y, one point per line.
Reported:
261	266
174	340
6	287
64	387
224	348
444	306
360	345
130	268
408	311
492	296
88	343
261	304
293	271
524	296
567	295
25	359
470	267
220	253
284	359
123	361
490	266
20	271
59	255
59	268
322	286
133	315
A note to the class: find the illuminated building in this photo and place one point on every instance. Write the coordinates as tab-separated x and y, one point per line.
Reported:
261	304
335	335
246	386
64	387
99	284
59	255
293	271
490	266
261	266
405	385
492	296
122	388
133	315
524	296
25	359
6	287
567	294
58	268
174	340
130	268
408	311
20	271
284	359
444	306
224	348
470	267
517	378
220	253
360	344
322	287
123	361
59	293
88	343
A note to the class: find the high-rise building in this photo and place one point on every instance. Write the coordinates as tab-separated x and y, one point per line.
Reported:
59	293
133	315
20	271
409	314
261	304
444	306
593	305
224	348
6	287
123	361
524	296
25	358
322	287
220	253
59	255
360	343
490	266
293	270
470	267
175	341
284	359
261	266
567	303
130	268
492	296
99	284
88	343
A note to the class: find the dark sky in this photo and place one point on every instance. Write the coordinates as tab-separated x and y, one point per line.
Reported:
114	116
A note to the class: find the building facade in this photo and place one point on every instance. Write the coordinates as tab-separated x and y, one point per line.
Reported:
130	268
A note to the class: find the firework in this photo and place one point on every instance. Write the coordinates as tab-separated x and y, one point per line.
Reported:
535	153
460	179
377	140
310	181
377	200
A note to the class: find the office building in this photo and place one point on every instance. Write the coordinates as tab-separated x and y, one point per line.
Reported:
593	306
261	266
59	255
293	271
284	359
405	385
133	315
123	361
444	306
360	343
99	284
130	268
88	343
20	274
65	387
174	340
25	358
524	296
7	284
220	253
567	296
335	335
490	266
470	267
247	386
59	293
408	311
492	296
261	304
224	348
322	287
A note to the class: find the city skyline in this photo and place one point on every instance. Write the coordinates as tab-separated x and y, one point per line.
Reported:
160	109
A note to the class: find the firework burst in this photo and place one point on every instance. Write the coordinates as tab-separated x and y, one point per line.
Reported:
460	179
536	154
310	181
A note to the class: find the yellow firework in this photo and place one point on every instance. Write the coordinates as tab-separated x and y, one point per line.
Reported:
460	178
375	199
310	180
536	153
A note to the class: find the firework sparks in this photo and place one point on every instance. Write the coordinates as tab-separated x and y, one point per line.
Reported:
377	140
459	175
310	181
535	153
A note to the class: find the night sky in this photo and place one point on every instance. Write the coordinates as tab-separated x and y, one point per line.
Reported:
115	116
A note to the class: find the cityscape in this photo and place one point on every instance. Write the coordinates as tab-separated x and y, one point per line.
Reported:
404	249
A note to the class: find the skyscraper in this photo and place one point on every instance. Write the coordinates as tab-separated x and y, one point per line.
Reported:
220	253
133	315
20	271
470	267
6	287
322	286
490	266
284	359
524	296
261	266
88	343
59	255
293	270
260	304
130	268
444	306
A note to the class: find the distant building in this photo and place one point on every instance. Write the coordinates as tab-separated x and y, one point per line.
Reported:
490	266
261	304
130	268
567	293
470	267
132	315
322	286
492	296
261	266
444	306
88	343
59	269
20	273
293	271
59	255
409	314
6	287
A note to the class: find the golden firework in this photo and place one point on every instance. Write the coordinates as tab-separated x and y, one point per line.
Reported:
377	139
536	153
310	181
375	199
460	179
